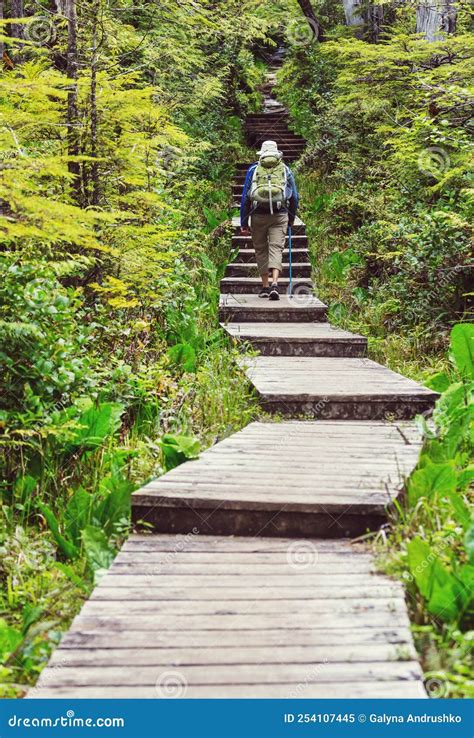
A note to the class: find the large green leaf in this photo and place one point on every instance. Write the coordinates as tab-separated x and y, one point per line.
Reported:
418	562
67	547
178	448
10	639
96	424
184	356
77	514
469	543
462	348
430	480
115	503
438	382
98	552
444	593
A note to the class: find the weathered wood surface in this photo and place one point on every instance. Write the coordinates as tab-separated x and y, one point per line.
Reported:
336	388
238	307
297	339
252	285
294	478
128	643
249	269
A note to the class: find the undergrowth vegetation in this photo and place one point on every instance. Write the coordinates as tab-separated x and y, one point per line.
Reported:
386	185
116	204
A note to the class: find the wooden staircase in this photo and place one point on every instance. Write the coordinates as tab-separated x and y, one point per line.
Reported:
249	585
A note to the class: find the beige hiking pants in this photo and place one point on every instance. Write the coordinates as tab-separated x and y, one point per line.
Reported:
268	239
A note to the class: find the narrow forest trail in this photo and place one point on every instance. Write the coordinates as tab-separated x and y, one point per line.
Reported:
262	593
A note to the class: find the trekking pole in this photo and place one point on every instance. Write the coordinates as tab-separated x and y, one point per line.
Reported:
290	261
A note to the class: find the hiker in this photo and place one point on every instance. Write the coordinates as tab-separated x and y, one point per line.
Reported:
270	199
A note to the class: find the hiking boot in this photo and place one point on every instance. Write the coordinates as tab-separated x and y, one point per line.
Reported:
264	292
274	294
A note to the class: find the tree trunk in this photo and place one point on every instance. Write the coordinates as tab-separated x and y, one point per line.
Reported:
16	29
72	113
375	20
435	18
95	195
2	45
309	13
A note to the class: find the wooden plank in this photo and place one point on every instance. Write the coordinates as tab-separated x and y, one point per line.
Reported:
258	674
249	307
247	621
248	472
141	566
253	285
230	545
237	608
297	339
412	689
311	639
274	654
278	561
118	577
113	591
335	388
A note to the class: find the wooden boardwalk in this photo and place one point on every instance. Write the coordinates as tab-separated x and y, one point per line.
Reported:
237	617
249	585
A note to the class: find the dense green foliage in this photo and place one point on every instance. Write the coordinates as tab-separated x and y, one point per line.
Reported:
431	546
387	185
112	368
115	214
387	195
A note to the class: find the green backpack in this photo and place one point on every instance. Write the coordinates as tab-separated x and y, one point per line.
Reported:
269	183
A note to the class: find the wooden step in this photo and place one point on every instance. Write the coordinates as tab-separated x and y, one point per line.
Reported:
251	308
244	256
252	285
246	241
298	339
303	632
299	229
297	479
249	269
336	388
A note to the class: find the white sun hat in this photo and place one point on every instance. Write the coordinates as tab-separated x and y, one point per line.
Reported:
269	148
